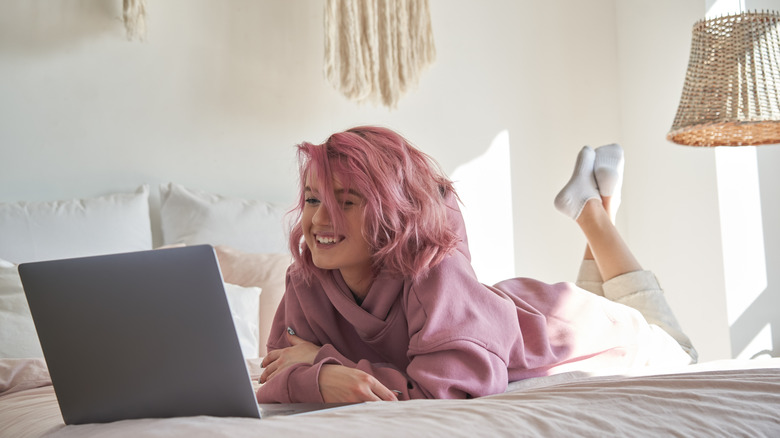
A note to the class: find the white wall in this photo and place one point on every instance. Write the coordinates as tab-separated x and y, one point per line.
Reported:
673	219
221	91
671	211
749	212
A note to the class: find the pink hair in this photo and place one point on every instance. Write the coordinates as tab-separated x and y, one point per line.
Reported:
405	216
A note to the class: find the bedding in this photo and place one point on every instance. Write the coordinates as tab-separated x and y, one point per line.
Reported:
726	398
703	400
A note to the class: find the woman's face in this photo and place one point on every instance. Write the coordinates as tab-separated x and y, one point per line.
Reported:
349	252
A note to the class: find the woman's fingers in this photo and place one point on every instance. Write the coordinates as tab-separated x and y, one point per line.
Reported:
269	364
343	384
269	372
337	382
271	375
382	392
294	339
300	351
270	357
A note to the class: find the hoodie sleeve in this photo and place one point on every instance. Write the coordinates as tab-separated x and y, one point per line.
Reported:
296	384
457	371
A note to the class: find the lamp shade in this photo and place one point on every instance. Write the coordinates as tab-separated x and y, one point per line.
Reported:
731	95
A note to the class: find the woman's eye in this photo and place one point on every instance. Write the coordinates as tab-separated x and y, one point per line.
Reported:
312	201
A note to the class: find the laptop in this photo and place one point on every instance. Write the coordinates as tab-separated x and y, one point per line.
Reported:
139	335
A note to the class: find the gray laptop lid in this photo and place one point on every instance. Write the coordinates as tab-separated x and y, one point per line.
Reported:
139	335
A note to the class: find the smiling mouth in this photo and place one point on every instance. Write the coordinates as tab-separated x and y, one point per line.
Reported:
328	240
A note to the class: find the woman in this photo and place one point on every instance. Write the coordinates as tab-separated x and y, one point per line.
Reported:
382	302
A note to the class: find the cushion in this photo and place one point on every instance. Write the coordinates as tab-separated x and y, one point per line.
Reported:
33	231
18	338
196	217
266	271
244	303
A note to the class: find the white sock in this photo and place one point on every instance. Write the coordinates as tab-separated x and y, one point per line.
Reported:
581	187
608	169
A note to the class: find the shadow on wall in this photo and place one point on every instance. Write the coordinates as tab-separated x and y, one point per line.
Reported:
44	25
755	333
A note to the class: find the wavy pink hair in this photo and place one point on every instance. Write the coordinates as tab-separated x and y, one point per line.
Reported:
405	216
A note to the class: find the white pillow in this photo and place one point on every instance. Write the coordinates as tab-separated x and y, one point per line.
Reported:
33	231
196	217
18	338
244	304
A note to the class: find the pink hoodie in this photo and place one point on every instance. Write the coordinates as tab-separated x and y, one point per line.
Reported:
447	335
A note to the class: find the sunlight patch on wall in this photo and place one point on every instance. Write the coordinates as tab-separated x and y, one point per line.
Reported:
485	188
761	345
742	230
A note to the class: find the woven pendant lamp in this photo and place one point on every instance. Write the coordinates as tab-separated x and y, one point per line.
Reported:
731	95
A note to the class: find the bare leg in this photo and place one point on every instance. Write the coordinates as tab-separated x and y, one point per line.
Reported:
608	171
588	253
591	197
606	202
608	249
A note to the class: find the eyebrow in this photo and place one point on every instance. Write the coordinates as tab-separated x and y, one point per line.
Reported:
337	191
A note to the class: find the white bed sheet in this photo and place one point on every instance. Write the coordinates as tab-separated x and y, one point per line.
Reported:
727	398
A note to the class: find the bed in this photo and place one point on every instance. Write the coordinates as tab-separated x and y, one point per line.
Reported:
723	398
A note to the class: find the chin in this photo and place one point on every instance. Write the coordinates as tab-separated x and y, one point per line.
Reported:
323	264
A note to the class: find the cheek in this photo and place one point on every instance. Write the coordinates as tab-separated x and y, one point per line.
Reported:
306	219
305	228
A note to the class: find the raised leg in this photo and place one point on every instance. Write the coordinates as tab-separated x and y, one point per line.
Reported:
608	169
608	249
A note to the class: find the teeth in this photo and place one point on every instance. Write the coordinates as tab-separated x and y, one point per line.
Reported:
327	240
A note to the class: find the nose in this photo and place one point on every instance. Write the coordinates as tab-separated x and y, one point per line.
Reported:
321	216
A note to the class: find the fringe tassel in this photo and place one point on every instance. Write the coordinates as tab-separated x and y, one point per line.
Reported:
377	49
134	15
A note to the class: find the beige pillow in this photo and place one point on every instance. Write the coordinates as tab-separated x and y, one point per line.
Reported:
266	271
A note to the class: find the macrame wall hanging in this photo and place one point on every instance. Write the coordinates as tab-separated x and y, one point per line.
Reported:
375	50
134	17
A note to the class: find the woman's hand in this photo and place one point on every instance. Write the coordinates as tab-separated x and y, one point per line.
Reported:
276	361
340	384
